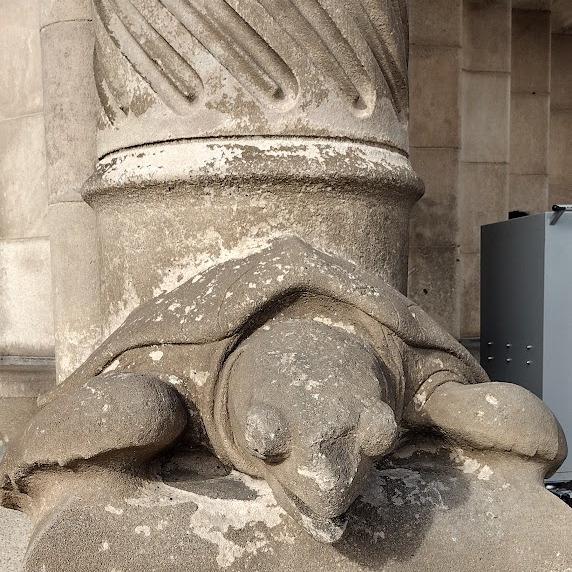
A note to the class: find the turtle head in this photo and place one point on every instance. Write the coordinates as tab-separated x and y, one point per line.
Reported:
307	413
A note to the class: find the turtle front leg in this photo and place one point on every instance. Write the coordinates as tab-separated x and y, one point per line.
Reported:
499	416
116	419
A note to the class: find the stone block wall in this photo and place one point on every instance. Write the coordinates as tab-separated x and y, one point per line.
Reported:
490	131
26	316
435	142
560	154
530	110
25	286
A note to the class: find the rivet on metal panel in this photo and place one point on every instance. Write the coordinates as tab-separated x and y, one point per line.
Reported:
509	345
529	347
490	358
528	362
508	360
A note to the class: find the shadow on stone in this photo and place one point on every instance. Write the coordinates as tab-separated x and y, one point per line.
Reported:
392	518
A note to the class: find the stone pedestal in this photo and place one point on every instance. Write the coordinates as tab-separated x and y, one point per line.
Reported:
429	508
167	211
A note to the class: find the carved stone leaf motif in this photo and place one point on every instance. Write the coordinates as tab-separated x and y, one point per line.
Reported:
159	43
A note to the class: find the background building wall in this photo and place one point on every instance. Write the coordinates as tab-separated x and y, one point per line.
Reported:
26	324
485	127
560	161
490	131
435	141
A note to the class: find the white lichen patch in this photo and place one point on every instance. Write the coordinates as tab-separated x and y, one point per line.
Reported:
419	400
112	366
485	473
408	487
470	466
104	546
156	355
214	518
143	529
113	510
335	324
322	474
491	399
199	378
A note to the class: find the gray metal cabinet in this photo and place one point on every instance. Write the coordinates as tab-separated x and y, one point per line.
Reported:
526	310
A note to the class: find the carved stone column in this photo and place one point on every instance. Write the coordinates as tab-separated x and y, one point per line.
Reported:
227	123
70	107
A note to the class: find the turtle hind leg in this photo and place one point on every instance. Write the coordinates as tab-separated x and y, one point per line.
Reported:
497	416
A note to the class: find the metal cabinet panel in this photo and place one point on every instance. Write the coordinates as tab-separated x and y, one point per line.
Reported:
526	310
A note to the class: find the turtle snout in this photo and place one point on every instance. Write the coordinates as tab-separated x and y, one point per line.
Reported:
331	476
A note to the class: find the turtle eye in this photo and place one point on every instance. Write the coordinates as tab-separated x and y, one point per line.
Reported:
266	434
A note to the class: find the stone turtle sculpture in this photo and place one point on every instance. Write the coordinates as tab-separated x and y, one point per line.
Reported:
290	365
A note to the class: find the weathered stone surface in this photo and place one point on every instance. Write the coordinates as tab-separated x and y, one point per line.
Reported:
486	117
69	107
434	283
560	148
434	218
53	11
484	200
23	190
22	380
528	193
560	120
256	189
15	533
471	314
530	132
26	326
530	51
487	40
71	115
561	74
77	312
435	114
435	22
20	77
561	16
433	509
